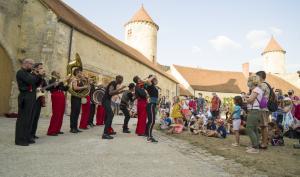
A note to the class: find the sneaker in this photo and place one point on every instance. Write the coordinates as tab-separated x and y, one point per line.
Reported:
112	133
126	131
235	145
151	140
252	151
73	131
249	147
107	137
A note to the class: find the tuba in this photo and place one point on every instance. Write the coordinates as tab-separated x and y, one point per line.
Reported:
70	67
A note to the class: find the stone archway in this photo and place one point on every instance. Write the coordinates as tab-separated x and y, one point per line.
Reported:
6	72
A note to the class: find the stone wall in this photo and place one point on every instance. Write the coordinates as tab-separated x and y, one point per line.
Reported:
106	61
29	29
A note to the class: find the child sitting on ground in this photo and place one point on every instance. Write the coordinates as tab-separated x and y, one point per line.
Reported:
276	134
236	119
177	128
166	121
220	132
196	125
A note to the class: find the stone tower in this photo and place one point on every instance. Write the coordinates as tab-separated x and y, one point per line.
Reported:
274	58
141	34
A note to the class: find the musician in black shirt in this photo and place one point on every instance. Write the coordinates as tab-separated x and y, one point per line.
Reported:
127	98
58	100
27	84
110	91
93	104
76	101
151	106
39	103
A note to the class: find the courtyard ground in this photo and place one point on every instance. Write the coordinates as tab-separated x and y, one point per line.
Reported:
275	162
86	155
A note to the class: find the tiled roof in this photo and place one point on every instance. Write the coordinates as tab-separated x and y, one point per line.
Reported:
72	18
142	16
273	46
184	92
226	81
213	81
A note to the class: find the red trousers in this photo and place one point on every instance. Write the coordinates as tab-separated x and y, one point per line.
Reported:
58	109
100	116
142	116
85	113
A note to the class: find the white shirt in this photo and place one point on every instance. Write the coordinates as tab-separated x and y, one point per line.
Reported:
255	104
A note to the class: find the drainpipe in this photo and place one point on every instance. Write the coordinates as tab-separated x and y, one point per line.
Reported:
70	45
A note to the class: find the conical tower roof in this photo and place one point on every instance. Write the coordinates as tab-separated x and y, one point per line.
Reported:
142	16
273	46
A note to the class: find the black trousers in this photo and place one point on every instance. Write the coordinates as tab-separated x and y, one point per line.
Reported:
92	113
36	116
151	118
125	111
24	122
109	115
75	111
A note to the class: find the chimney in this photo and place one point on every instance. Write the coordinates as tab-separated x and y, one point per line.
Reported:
246	69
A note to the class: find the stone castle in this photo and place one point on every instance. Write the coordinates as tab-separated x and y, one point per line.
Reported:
51	32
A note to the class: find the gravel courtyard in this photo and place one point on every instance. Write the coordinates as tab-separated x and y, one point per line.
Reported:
86	155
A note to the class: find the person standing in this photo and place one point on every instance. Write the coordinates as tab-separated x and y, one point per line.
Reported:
141	96
27	83
110	91
265	111
151	106
77	85
39	103
58	100
93	104
215	106
200	103
254	113
85	113
126	98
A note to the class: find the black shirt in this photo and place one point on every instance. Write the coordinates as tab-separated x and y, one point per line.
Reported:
152	91
126	98
60	86
27	82
110	87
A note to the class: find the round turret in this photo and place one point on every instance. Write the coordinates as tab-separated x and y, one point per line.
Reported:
141	34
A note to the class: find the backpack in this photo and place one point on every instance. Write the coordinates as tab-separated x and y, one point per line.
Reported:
272	103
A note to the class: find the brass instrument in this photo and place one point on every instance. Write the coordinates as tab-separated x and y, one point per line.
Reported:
98	94
70	67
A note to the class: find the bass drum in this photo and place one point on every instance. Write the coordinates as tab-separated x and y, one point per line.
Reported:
98	95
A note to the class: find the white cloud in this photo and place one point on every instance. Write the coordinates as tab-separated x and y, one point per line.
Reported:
221	43
258	38
197	49
275	31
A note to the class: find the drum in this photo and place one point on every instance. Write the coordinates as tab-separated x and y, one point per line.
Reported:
98	94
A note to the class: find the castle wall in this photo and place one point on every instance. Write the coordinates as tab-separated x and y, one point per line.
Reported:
44	38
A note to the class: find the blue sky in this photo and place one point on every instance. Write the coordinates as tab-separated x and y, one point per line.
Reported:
214	34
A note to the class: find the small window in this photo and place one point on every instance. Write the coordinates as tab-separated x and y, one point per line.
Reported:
129	33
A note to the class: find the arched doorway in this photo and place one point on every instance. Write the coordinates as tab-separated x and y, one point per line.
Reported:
6	71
